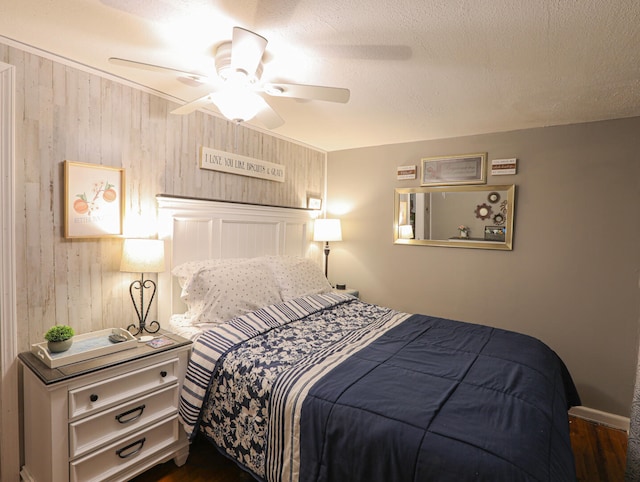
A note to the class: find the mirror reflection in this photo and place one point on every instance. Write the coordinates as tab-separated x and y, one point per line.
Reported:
457	216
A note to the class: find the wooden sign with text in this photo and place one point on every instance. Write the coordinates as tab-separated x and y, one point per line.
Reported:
215	160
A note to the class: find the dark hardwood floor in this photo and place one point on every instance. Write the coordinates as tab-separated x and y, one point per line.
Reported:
205	464
600	454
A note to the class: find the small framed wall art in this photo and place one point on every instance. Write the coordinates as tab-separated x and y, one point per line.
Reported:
93	200
406	172
314	202
503	167
450	170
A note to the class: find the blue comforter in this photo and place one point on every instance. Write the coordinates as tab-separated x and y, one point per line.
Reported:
435	399
332	389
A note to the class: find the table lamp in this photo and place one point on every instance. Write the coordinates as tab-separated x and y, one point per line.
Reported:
405	231
142	256
326	230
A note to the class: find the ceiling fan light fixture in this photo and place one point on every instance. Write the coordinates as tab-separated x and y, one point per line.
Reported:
237	103
239	95
227	71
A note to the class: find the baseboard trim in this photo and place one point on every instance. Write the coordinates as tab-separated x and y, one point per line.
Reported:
604	418
25	475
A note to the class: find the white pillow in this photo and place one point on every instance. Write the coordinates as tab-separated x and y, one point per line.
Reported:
297	276
186	270
223	291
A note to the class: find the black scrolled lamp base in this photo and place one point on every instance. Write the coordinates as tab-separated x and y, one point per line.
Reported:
142	285
327	250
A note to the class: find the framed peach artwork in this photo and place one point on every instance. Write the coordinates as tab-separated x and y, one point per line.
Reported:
93	200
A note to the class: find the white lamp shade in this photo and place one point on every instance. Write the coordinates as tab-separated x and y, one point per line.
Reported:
327	230
406	231
142	256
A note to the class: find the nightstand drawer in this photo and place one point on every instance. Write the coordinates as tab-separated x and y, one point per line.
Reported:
104	427
97	396
107	462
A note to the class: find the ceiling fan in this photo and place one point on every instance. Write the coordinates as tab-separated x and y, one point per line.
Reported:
239	93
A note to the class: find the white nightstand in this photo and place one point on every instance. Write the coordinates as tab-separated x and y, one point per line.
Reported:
104	419
349	291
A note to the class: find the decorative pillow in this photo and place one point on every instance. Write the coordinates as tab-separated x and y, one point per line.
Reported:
297	276
224	291
186	270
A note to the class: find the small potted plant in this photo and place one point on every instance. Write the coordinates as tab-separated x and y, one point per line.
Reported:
59	338
464	231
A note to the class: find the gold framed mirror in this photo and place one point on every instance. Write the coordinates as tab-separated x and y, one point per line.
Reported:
480	217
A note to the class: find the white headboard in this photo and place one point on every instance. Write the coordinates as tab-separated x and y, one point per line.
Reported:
196	229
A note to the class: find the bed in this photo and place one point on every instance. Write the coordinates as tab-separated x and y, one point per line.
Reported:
296	381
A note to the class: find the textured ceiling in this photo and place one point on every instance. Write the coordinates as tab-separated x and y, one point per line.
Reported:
417	69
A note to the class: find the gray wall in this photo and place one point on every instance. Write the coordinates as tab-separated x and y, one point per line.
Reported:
572	278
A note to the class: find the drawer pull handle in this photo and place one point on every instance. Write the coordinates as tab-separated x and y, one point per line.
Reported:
120	418
163	373
93	397
122	455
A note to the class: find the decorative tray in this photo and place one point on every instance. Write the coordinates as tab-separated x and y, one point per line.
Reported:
85	347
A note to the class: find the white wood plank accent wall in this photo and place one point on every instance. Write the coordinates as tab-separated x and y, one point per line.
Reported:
63	112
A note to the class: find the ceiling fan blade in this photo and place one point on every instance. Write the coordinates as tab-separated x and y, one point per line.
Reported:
314	92
158	68
194	105
267	116
247	49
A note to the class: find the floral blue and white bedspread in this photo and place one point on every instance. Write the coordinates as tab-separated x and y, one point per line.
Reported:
329	388
228	385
